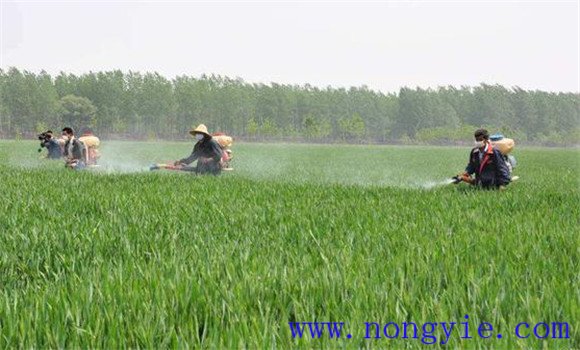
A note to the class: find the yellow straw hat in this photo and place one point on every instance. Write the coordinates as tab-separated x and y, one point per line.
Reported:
201	129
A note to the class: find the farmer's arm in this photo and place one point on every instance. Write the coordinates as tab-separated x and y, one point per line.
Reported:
471	166
192	157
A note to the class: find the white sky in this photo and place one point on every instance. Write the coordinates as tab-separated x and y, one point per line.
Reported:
384	45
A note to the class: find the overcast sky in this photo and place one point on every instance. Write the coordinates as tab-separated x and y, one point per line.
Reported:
384	45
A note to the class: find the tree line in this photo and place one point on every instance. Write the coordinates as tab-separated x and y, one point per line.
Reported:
150	106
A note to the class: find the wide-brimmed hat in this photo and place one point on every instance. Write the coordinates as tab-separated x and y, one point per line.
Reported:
201	129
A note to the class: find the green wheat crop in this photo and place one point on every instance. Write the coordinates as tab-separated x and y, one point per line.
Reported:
125	257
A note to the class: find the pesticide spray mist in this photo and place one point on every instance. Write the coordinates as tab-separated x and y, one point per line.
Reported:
434	184
120	158
324	165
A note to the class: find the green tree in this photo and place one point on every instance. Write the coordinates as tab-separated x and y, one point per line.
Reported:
252	128
353	128
77	111
316	129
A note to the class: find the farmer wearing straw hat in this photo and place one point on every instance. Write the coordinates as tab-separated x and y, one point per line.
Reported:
206	151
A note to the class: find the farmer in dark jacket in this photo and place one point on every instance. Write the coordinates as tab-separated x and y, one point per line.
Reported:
74	150
206	151
487	163
47	141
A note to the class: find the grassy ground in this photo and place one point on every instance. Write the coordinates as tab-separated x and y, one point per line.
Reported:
127	257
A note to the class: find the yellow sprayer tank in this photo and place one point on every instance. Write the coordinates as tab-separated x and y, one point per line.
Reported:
224	140
90	141
505	145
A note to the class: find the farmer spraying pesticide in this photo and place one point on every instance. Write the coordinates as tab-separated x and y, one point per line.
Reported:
212	152
206	151
487	163
75	154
